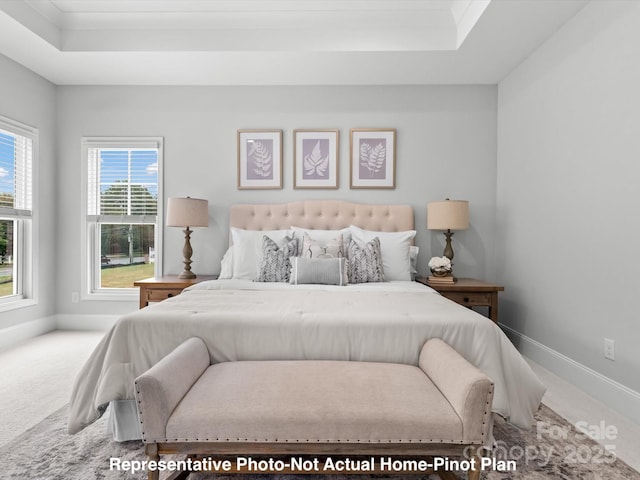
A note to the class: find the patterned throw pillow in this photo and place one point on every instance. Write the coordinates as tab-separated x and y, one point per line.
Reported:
365	262
311	248
275	265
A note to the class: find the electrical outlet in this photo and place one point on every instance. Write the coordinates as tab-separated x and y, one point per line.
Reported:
75	297
609	349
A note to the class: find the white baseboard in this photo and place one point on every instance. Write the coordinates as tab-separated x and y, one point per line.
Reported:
614	394
16	334
12	336
85	322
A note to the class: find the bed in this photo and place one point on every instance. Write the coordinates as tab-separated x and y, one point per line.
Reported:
241	319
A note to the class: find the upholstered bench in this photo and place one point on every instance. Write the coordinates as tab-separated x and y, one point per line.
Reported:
329	408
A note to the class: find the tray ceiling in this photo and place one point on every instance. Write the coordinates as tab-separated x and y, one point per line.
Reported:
276	42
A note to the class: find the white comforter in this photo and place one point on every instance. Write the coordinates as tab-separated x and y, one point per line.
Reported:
242	320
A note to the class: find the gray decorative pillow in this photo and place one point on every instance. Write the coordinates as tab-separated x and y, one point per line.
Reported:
326	271
365	262
275	265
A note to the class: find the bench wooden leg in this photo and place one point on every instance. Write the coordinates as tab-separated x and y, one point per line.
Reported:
474	473
471	474
448	476
182	475
152	452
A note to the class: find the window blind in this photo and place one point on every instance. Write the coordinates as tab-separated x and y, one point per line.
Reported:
16	169
122	184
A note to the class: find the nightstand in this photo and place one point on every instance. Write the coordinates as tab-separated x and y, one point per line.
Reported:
158	289
471	293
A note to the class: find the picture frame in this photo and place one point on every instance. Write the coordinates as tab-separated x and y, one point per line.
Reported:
259	159
316	158
373	158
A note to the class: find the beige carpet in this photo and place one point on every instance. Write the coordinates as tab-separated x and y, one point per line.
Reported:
36	378
550	450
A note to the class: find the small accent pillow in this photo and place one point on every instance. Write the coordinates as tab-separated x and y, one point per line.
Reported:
365	262
275	265
311	248
325	271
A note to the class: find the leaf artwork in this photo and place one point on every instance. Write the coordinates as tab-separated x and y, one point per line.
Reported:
260	159
314	164
372	158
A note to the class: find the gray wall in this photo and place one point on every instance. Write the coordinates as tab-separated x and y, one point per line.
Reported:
446	147
568	204
28	98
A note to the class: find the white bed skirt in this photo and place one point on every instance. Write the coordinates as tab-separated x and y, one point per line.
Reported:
123	423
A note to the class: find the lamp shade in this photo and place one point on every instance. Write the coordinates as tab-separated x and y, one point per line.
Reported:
187	212
448	215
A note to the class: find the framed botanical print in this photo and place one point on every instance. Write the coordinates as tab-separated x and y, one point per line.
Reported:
259	159
315	163
373	158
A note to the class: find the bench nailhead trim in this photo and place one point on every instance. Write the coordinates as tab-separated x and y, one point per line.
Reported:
319	440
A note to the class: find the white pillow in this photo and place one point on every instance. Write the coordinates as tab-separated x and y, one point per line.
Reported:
247	250
226	265
395	251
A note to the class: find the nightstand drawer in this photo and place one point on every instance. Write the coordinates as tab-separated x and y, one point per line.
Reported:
469	299
470	293
160	294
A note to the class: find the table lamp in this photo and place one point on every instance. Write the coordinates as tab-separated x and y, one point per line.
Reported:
187	212
448	215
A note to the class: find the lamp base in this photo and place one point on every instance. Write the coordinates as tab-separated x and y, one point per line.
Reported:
187	252
448	249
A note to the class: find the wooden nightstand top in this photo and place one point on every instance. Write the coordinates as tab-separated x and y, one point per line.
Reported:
464	285
171	281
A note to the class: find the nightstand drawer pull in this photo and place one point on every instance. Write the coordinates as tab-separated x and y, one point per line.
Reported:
469	299
159	294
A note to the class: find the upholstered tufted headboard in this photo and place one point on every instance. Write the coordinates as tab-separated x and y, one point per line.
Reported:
322	215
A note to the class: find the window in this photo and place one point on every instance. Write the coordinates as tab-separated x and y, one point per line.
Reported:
123	206
17	146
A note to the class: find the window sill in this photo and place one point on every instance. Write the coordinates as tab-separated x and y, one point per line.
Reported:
123	295
9	304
